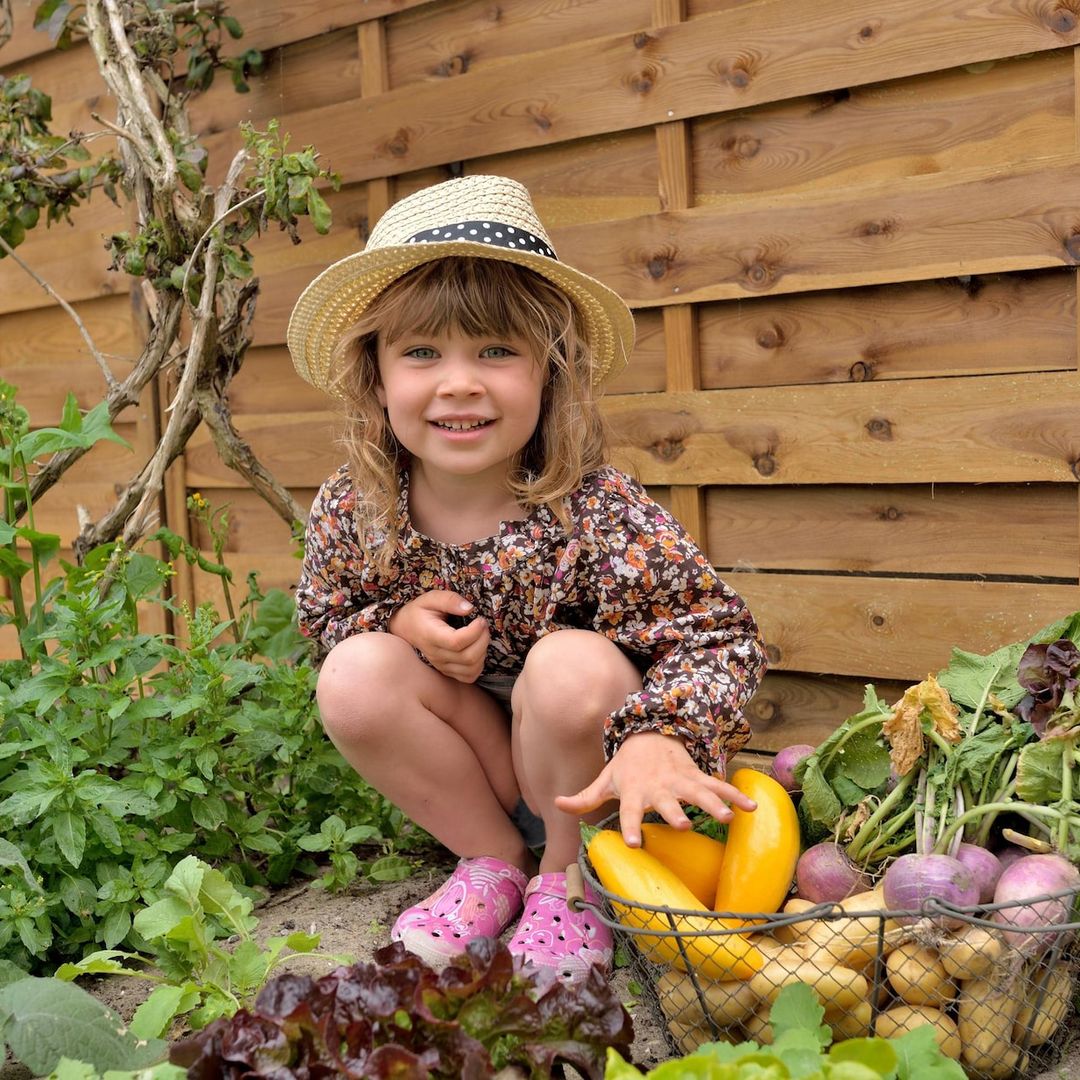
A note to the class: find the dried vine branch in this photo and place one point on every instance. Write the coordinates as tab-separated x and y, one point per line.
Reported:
189	245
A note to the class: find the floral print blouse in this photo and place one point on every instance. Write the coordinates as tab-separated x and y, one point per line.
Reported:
627	570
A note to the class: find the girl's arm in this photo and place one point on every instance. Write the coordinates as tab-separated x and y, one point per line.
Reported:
338	594
659	598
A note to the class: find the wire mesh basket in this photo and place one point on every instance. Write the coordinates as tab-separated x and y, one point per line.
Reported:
997	984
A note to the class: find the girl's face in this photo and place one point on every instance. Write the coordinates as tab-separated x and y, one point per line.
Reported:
463	406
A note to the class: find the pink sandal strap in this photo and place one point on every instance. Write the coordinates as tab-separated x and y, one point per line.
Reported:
480	899
552	935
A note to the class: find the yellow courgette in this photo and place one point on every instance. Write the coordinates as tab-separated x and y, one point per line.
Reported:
762	848
694	857
634	875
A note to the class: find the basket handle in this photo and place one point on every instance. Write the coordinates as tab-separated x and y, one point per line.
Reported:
575	887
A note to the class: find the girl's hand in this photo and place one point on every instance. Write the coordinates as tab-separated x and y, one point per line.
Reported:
457	653
651	771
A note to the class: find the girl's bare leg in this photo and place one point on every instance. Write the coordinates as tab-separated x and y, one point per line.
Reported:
572	681
437	748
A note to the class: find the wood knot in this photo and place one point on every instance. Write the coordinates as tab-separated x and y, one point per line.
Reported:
759	275
1061	20
771	337
765	464
494	13
739	78
642	39
773	653
877	620
398	146
539	118
877	228
879	428
891	513
764	710
457	64
659	264
1072	246
866	32
667	449
642	82
861	371
1074	466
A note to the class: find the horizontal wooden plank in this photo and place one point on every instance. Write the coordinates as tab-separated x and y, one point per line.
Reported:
49	335
768	51
440	41
962	430
991	114
71	258
299	75
974	222
951	326
1010	530
791	708
887	628
266	25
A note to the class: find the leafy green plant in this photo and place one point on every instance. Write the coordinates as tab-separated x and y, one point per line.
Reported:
397	1017
121	751
803	1047
182	937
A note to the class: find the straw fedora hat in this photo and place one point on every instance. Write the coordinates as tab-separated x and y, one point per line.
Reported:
488	217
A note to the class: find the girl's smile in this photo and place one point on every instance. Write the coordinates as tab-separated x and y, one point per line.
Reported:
462	406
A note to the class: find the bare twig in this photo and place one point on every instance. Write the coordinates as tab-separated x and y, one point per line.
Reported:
7	22
254	197
110	379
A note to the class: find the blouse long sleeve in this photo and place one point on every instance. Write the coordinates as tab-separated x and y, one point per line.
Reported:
659	598
339	594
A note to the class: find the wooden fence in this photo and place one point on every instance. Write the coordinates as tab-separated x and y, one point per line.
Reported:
848	233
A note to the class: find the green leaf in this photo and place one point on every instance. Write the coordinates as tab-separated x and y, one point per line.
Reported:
247	967
10	855
917	1053
9	973
115	926
50	1019
876	1054
302	942
864	759
820	800
153	1017
69	831
319	210
389	868
103	962
797	1008
1039	772
969	676
161	918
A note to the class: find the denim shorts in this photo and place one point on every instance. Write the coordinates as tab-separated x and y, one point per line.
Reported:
528	824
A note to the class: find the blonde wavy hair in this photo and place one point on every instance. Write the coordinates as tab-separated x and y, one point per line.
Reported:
478	298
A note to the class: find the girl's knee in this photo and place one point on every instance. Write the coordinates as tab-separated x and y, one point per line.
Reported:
361	680
576	673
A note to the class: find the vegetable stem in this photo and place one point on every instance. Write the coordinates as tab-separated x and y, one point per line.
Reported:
869	829
993	808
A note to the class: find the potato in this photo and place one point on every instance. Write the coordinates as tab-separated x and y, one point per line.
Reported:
788	935
1044	1006
757	1026
836	986
855	941
850	1023
902	1018
970	952
985	1014
918	976
728	1003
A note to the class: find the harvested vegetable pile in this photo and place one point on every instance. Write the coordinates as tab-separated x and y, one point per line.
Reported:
932	845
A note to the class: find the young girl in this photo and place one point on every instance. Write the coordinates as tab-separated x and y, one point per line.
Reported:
517	634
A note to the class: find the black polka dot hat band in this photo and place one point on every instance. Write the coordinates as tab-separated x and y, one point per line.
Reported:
481	216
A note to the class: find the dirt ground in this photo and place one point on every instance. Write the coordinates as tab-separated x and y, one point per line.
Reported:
357	922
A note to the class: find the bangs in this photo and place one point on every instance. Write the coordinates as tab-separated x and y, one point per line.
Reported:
476	298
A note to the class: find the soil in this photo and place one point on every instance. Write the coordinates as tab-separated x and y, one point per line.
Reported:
357	922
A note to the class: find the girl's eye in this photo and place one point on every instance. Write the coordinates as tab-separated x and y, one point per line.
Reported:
421	352
497	352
